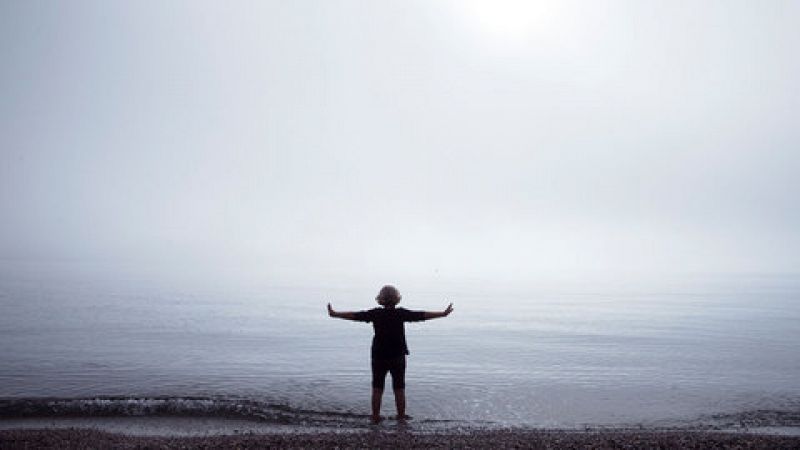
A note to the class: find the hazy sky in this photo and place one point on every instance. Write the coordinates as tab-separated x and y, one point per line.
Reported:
390	140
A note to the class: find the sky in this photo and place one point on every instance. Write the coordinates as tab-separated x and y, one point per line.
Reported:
319	141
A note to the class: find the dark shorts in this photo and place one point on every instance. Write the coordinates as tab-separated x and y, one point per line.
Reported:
397	367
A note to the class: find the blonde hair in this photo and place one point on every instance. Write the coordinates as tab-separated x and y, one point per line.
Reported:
388	296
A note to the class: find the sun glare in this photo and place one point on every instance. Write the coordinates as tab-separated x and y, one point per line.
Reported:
511	20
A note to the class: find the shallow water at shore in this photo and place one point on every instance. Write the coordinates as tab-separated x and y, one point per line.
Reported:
221	426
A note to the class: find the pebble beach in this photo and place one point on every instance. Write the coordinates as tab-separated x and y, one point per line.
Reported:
535	439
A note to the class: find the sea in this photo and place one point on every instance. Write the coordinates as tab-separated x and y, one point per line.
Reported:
717	352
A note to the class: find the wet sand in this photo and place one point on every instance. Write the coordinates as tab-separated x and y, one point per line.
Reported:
537	439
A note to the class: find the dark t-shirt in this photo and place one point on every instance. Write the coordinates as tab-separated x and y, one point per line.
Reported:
390	336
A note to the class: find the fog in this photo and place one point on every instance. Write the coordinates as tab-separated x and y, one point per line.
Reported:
320	141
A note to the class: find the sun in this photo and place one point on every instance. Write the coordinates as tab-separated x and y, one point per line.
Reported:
511	20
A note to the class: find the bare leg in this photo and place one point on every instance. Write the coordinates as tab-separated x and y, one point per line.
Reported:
376	404
400	402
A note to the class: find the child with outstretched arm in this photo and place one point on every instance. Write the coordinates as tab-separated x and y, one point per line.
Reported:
389	347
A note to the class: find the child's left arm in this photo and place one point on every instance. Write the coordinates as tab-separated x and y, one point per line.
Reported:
341	315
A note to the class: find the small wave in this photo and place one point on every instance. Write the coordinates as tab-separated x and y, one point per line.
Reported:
173	406
283	414
757	418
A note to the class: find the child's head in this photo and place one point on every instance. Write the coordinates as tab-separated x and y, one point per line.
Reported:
388	296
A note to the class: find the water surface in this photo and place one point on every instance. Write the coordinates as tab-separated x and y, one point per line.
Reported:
547	357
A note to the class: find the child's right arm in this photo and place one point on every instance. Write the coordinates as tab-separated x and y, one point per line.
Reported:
435	315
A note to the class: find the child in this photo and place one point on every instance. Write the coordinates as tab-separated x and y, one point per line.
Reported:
389	347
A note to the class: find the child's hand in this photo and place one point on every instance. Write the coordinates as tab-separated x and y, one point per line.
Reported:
331	312
448	310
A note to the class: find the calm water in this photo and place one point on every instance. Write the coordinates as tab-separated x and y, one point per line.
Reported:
549	357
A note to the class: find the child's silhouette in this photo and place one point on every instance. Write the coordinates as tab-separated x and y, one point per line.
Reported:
389	347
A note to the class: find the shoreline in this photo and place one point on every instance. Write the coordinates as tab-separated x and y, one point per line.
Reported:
396	438
180	426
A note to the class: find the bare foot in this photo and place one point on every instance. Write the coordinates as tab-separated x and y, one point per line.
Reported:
376	419
402	418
